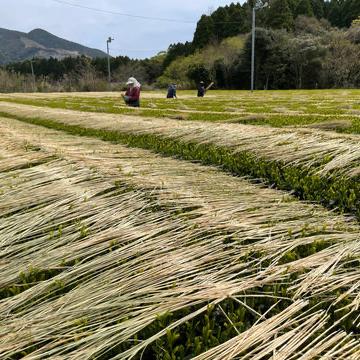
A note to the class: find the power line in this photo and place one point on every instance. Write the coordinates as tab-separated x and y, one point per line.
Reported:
137	16
136	50
124	14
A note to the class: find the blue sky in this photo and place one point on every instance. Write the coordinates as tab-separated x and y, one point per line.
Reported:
133	37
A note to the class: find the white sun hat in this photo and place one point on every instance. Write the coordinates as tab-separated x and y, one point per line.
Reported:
133	81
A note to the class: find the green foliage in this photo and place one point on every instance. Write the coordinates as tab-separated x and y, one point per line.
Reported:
84	74
342	13
177	50
337	192
307	56
27	279
185	70
199	73
224	22
343	67
228	69
279	15
356	22
286	108
221	322
314	56
204	32
304	7
236	19
318	8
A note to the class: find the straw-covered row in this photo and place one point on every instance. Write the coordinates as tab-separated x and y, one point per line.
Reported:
332	110
317	166
130	254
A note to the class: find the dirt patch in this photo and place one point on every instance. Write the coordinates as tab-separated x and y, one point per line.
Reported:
178	116
249	119
285	110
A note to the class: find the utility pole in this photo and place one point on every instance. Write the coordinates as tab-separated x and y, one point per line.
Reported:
33	74
258	5
108	41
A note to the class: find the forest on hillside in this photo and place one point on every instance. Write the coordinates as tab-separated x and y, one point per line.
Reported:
299	44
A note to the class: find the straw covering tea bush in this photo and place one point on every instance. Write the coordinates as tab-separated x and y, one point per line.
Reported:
115	252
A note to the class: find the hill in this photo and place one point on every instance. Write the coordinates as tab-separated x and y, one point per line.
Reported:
19	46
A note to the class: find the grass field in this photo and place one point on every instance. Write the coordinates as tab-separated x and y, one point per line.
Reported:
143	234
329	110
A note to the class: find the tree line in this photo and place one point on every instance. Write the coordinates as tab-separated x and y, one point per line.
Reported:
281	14
312	54
55	69
299	44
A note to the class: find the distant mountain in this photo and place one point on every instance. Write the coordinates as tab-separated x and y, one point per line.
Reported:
19	46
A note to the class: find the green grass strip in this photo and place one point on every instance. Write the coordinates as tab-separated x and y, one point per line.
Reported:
334	192
348	124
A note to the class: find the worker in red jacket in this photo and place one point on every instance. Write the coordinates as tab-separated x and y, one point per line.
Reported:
132	94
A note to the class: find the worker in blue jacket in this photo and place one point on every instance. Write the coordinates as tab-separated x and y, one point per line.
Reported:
201	89
171	93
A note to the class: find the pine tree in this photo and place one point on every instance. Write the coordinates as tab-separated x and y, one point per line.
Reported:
204	32
238	20
279	15
304	8
318	8
335	13
220	19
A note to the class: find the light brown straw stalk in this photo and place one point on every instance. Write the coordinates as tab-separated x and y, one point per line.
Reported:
143	235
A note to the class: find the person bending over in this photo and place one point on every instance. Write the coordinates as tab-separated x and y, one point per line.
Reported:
171	94
132	94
